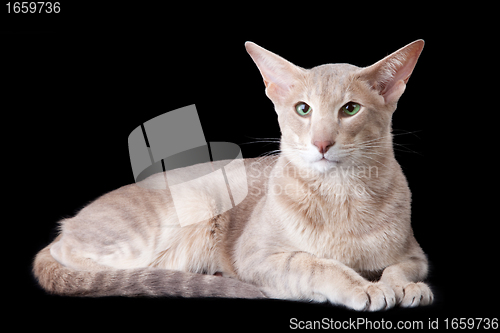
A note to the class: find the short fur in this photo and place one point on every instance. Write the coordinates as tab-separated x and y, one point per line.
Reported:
326	220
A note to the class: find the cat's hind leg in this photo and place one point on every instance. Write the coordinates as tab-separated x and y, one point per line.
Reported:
70	257
86	250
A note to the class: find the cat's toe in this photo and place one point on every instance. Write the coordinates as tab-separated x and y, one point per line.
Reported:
360	301
373	297
382	297
389	295
427	295
399	292
416	294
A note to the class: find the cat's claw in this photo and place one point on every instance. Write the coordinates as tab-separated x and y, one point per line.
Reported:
414	294
373	297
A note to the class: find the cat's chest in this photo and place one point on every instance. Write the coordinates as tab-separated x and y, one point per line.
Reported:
344	220
352	234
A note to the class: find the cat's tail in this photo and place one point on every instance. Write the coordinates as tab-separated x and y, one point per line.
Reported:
154	282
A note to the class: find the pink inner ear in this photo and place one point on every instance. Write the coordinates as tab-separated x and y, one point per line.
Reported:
395	70
279	74
400	71
392	95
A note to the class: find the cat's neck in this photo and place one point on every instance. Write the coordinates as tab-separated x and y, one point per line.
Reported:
341	181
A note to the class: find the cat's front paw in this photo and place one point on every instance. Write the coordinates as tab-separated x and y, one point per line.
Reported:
373	297
413	294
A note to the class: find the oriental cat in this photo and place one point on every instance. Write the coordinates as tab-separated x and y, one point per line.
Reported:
325	220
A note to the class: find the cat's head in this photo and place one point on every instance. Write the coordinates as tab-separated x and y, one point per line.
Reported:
335	115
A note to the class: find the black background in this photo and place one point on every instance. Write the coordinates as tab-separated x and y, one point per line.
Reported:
77	83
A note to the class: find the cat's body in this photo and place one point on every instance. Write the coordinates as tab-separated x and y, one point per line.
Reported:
320	221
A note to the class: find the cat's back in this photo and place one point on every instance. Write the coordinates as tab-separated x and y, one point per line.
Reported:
157	194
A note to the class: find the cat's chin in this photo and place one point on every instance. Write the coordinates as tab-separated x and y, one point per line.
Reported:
324	165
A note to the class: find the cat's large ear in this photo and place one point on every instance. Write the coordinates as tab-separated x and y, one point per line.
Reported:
279	74
390	75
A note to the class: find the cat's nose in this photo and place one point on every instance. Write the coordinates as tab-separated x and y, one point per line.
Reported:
323	146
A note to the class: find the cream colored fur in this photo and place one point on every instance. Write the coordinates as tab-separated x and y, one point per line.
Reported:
317	224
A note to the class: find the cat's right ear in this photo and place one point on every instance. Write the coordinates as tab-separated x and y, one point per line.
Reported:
279	74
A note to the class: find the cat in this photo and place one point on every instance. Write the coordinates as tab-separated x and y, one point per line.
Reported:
326	220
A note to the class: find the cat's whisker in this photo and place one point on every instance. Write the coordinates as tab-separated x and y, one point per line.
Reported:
371	158
406	149
270	153
255	138
372	140
265	155
406	132
261	141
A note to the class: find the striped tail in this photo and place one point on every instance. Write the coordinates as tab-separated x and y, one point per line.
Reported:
154	282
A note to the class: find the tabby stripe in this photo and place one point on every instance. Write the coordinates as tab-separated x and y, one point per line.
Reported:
289	260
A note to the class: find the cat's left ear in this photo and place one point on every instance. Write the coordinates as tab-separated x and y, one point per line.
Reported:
390	75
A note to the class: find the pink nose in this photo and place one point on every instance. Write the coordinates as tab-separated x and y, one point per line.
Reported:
323	146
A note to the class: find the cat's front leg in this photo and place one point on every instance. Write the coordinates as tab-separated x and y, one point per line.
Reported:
409	290
406	277
301	276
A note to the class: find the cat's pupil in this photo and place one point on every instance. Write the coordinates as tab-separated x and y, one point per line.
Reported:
350	107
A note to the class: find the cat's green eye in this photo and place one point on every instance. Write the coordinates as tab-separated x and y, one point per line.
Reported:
350	109
303	109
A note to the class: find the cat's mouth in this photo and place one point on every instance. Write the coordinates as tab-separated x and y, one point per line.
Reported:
324	163
320	162
327	160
